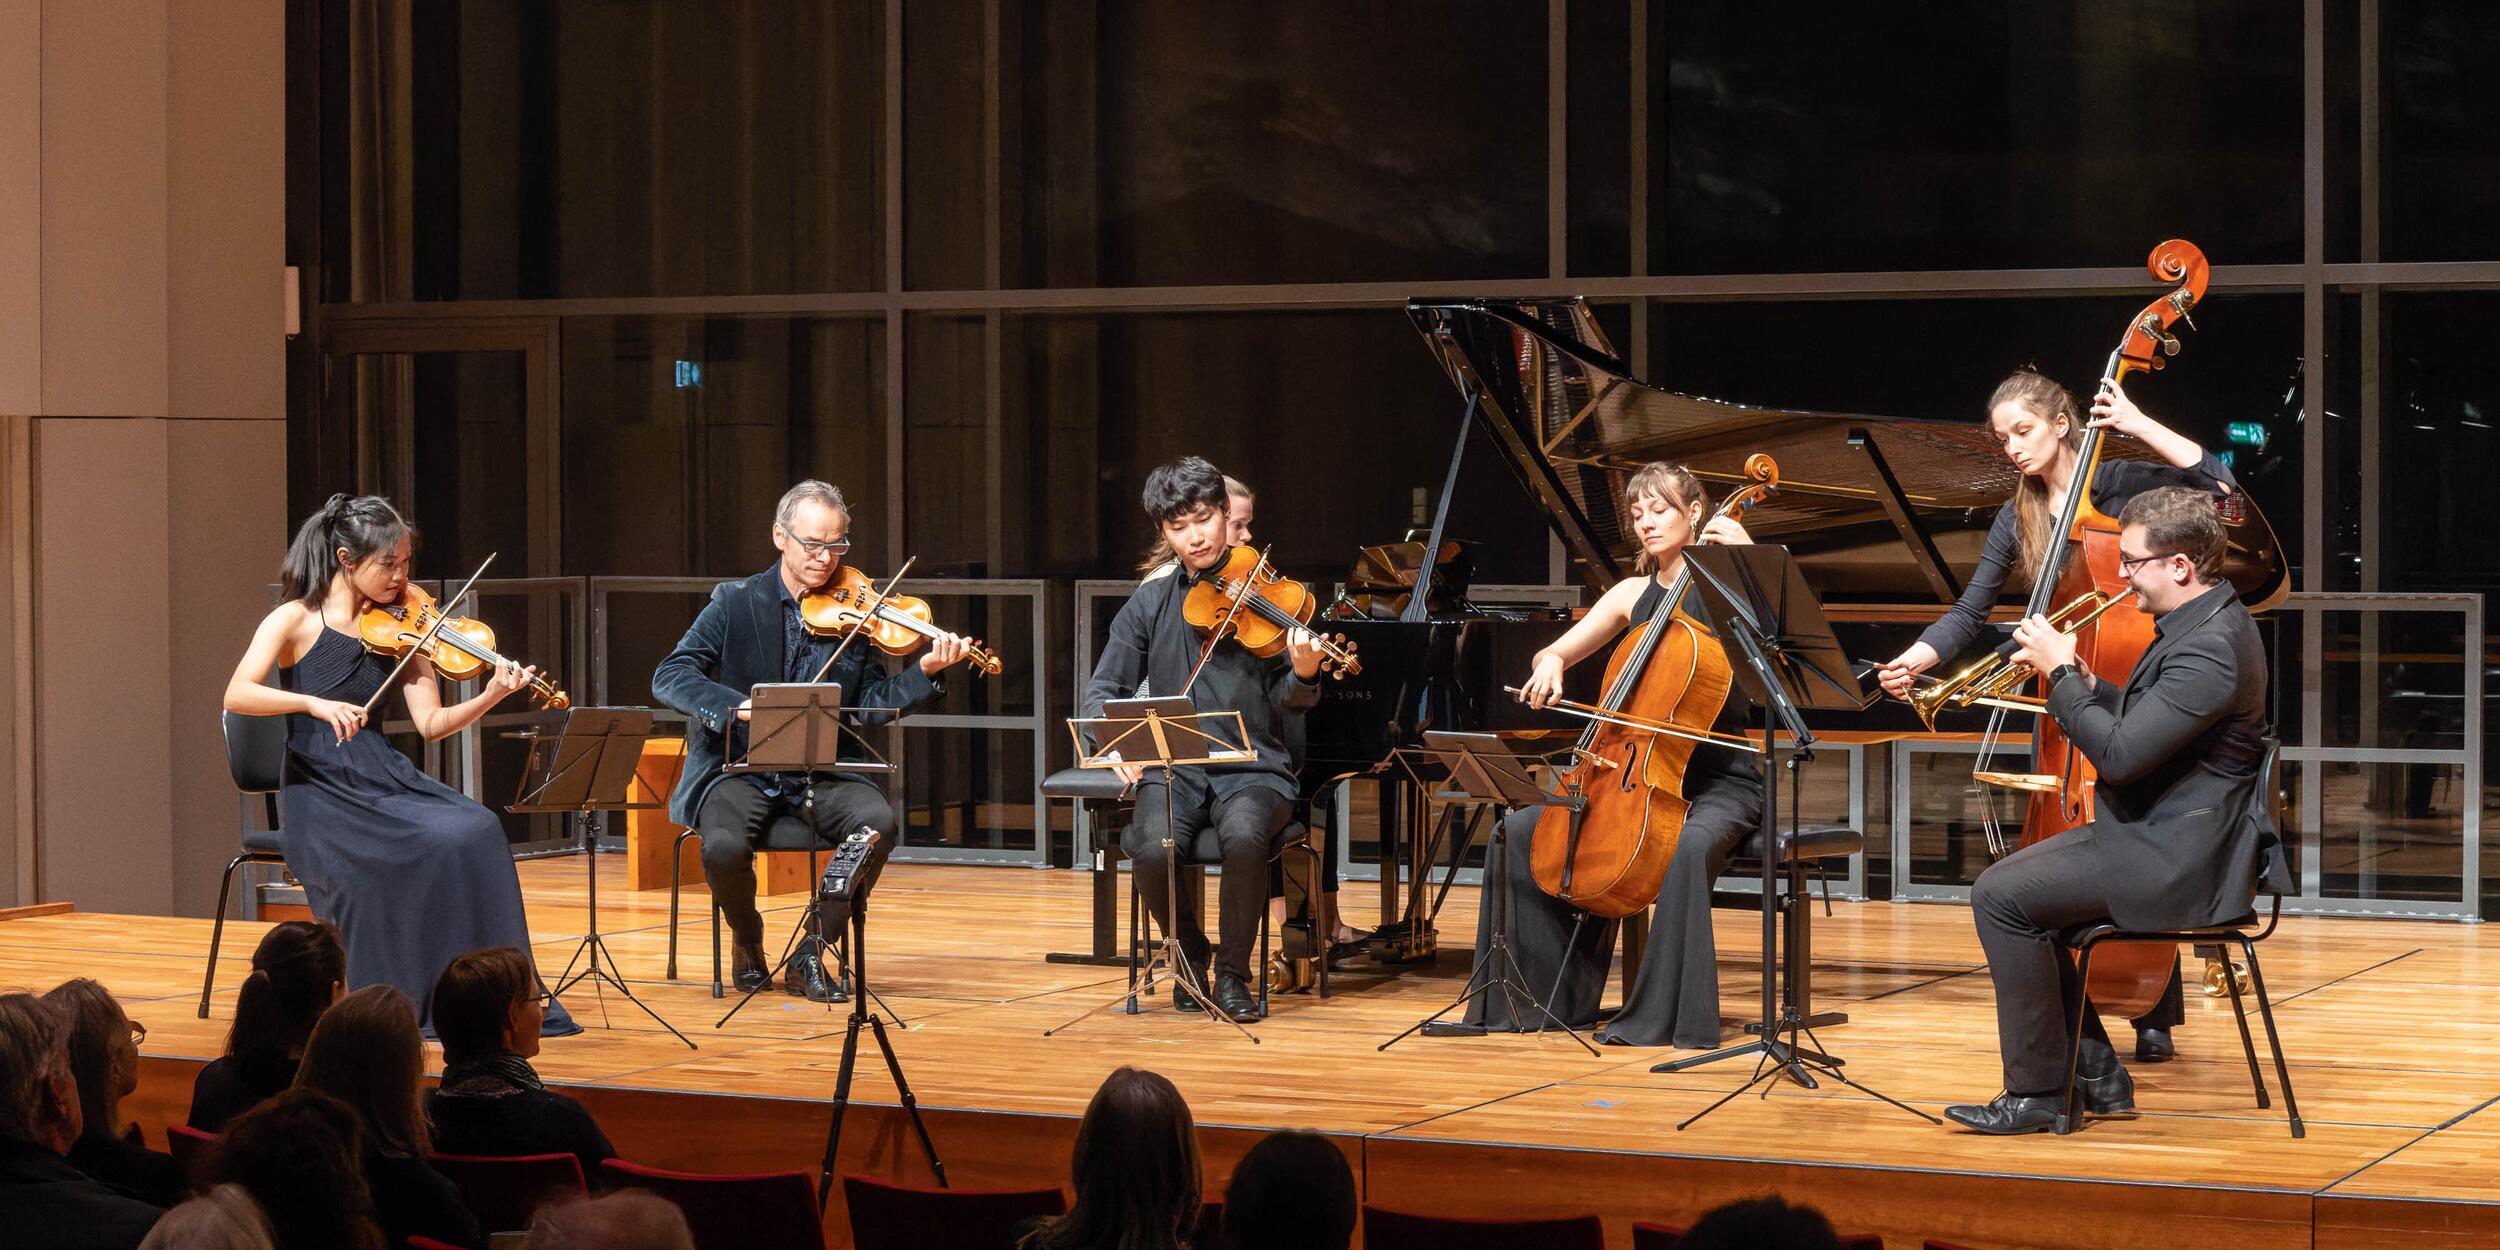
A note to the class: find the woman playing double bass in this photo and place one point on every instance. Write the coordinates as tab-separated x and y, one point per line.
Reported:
1563	953
2034	419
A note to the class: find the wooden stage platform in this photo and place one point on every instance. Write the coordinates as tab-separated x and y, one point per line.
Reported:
2391	1029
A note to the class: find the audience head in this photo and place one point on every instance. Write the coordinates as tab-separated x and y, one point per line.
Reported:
298	970
1135	1167
486	1001
631	1219
1293	1191
103	1056
1765	1223
367	1053
38	1096
224	1218
300	1156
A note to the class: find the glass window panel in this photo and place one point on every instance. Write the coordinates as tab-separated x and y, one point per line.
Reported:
968	789
2439	427
1948	814
1598	136
945	179
2440	166
1975	135
2387	831
1004	624
2393	680
1163	144
681	433
604	148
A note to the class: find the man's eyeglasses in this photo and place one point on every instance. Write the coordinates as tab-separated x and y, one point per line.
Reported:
2127	564
138	1033
838	546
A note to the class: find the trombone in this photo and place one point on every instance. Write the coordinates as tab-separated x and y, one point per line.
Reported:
1995	679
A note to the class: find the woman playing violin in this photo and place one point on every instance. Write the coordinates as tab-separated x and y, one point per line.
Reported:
411	871
1674	998
2035	420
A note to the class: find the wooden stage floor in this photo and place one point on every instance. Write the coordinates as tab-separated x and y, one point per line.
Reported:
2390	1027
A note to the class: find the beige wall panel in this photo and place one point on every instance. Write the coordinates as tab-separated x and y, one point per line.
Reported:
104	707
21	207
226	181
235	473
104	208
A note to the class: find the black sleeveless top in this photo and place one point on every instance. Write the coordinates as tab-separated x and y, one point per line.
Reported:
1734	716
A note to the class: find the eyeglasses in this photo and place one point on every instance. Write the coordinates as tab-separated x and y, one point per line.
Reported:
2128	564
839	546
138	1033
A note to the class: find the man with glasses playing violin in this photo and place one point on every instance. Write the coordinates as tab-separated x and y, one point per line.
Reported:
2177	839
749	634
1246	802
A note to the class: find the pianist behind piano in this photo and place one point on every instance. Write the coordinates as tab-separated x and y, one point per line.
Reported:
1247	802
1674	999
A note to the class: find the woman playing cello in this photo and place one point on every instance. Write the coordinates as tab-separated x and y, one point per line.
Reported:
1563	953
411	871
2035	420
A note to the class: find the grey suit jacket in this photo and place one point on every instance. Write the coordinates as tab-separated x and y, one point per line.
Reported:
2180	828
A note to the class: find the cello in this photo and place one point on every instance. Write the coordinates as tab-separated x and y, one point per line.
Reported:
1664	685
2128	978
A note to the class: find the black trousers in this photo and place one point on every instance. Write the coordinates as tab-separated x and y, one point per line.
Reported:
735	815
1244	823
2019	903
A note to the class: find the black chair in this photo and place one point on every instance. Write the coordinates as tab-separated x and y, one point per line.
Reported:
2083	938
1103	786
788	832
256	757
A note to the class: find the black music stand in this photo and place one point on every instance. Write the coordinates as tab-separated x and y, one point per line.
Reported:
796	727
840	899
589	766
1483	770
1787	660
1165	733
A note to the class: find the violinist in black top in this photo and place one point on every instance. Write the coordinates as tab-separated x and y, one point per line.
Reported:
751	633
2180	835
2035	419
1674	997
1247	802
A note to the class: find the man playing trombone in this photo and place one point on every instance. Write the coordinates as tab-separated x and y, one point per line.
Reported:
2173	843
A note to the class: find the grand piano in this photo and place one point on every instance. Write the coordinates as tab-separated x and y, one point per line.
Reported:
1885	514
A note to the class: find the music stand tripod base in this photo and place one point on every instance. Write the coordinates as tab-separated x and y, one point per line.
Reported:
590	768
1166	733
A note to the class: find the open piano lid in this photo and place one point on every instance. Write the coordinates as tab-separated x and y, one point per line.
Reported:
1877	509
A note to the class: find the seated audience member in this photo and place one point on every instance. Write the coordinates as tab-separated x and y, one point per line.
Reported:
487	1010
631	1220
104	1060
367	1053
44	1201
298	970
1135	1171
224	1218
299	1155
1293	1191
1764	1223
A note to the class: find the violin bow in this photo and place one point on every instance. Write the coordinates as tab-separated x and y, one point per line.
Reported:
442	615
867	617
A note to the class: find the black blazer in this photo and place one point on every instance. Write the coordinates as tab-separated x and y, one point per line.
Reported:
2181	833
736	643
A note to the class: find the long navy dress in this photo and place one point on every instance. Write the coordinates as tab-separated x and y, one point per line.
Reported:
412	872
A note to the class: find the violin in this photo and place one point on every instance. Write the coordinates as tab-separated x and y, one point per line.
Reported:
1246	599
894	624
1665	685
461	649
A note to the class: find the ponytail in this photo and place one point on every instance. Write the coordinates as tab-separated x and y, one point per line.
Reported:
289	988
363	524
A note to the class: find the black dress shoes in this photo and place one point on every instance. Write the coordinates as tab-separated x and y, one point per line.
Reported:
2008	1115
2110	1093
807	977
747	969
2153	1046
1234	999
1182	1000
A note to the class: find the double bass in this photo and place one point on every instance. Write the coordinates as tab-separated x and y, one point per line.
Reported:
1664	686
2128	978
